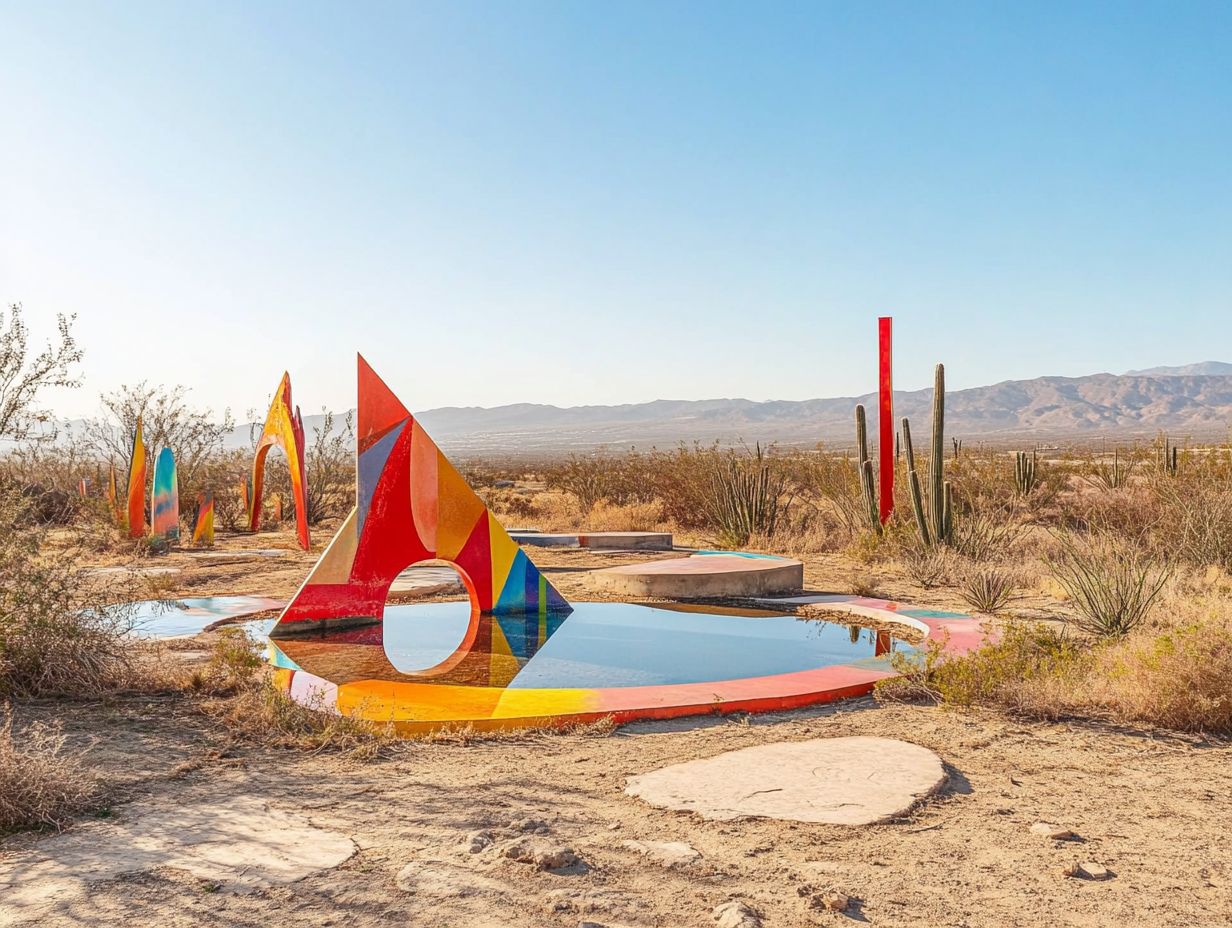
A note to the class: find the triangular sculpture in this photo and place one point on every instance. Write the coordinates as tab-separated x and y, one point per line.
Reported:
411	506
284	427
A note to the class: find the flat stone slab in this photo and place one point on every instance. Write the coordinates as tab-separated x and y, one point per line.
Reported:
607	541
702	576
239	843
832	781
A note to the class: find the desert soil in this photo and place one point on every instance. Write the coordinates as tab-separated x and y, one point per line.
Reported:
1153	809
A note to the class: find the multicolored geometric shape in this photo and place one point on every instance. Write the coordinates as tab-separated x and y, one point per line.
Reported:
203	528
412	505
165	500
885	418
137	465
284	427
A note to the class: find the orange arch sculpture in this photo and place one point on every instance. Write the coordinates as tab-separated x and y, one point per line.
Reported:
284	427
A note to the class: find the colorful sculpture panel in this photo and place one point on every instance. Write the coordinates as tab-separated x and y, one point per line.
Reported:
411	506
165	499
885	419
203	528
284	427
136	486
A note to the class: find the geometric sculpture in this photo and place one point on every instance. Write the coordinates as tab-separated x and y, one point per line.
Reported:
203	530
165	499
411	506
885	419
284	427
136	486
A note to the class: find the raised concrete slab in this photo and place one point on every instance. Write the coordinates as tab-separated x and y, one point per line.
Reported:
834	781
621	541
239	843
702	575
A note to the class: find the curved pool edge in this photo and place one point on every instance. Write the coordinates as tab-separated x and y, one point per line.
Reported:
413	708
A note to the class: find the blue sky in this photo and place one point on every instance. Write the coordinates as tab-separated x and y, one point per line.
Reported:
599	203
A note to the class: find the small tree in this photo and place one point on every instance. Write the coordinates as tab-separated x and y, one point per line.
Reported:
23	377
329	468
192	434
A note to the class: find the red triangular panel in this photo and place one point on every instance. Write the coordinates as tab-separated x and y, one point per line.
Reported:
379	409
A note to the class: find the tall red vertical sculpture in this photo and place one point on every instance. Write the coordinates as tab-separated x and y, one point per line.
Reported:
885	419
284	427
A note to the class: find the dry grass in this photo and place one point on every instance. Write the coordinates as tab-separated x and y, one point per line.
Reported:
57	636
42	783
256	710
988	588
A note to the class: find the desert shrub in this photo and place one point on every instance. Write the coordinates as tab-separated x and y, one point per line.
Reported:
258	710
329	465
42	784
827	487
605	516
615	478
1028	669
988	588
928	566
1195	518
985	532
56	637
1179	678
1111	582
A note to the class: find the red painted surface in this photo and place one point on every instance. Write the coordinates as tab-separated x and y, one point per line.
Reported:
885	418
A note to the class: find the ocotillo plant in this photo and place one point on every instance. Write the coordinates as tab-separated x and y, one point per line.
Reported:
935	524
1026	477
866	470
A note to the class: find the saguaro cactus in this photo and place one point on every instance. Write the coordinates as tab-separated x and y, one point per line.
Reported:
866	470
1026	476
934	521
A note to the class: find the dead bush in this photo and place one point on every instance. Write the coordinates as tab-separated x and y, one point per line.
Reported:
57	635
42	783
259	711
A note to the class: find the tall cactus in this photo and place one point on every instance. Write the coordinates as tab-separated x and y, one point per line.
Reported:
866	470
1167	457
934	522
1026	475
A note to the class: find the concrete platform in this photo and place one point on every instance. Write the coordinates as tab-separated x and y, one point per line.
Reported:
702	575
835	781
621	541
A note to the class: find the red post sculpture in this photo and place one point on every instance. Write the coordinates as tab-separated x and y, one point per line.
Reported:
885	420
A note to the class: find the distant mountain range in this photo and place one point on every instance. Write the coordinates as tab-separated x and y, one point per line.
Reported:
1194	400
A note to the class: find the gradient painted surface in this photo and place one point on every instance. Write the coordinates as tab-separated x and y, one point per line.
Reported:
885	417
419	703
203	530
165	498
412	505
136	485
284	427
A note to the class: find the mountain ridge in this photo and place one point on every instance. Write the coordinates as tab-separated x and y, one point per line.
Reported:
1134	404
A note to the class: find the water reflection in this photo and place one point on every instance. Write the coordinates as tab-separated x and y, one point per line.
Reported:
599	645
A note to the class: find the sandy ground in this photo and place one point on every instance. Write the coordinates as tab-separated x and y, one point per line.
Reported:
1153	809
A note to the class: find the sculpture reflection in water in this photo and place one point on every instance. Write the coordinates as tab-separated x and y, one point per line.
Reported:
492	653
